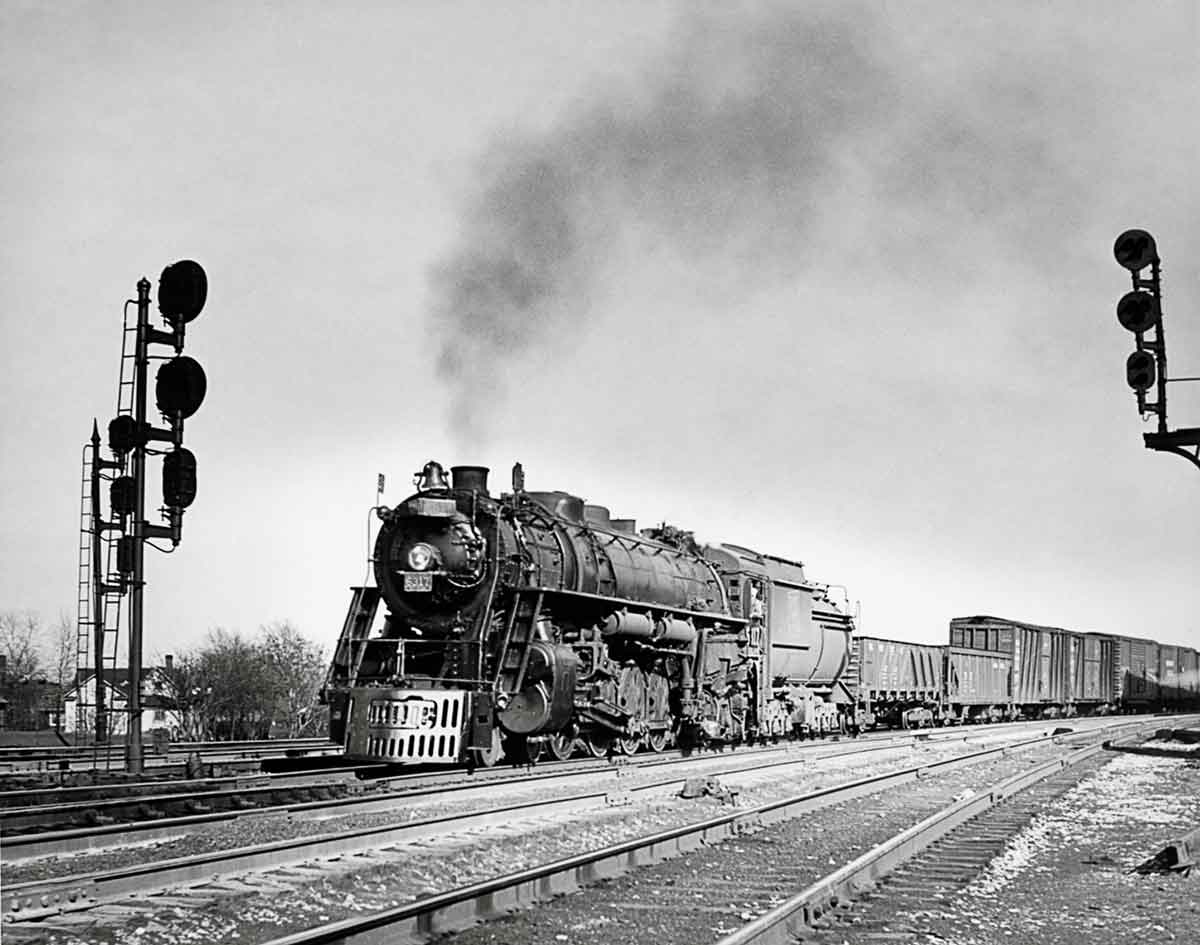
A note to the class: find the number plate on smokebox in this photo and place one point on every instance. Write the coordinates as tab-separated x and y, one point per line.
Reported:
418	582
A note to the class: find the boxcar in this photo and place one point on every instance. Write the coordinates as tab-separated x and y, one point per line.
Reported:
1137	673
899	683
1047	662
1189	674
1168	674
1095	680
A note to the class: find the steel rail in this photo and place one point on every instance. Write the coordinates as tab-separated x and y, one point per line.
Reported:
30	846
459	908
787	922
25	820
15	762
41	898
27	846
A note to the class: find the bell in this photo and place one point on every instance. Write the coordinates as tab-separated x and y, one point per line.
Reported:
431	476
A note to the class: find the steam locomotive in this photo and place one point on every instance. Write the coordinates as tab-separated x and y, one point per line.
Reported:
532	622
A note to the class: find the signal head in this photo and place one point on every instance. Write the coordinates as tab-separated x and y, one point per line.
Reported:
1141	371
180	387
124	435
1135	250
182	290
1137	311
179	478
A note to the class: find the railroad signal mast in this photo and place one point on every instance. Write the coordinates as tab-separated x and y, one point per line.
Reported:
180	386
1140	311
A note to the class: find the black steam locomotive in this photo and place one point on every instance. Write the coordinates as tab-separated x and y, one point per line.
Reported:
532	622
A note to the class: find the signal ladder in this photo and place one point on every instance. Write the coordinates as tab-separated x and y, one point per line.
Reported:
101	588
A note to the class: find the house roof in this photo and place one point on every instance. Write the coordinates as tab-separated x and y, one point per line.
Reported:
118	679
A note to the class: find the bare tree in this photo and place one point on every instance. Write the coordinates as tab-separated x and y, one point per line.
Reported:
62	651
20	635
296	669
233	688
192	691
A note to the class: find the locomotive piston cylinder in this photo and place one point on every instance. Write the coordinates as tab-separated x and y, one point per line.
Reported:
625	624
670	630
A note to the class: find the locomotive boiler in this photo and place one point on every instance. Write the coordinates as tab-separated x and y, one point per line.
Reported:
534	622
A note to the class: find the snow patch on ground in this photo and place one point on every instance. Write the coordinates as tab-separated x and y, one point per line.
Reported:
1097	802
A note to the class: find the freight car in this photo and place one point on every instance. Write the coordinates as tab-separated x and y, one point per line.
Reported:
896	683
1054	672
532	621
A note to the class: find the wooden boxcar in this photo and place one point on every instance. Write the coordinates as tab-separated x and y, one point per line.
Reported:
1137	673
1048	662
1189	674
1094	684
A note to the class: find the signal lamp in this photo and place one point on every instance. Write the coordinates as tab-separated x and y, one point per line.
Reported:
123	495
126	546
1137	311
179	478
182	290
124	435
180	387
1135	250
1140	370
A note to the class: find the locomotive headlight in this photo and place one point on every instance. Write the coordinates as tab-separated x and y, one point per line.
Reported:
421	557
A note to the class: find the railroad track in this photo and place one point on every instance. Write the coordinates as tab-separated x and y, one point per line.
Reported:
40	899
70	758
278	795
76	894
106	809
688	901
97	805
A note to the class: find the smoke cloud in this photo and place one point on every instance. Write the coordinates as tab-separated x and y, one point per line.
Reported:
757	136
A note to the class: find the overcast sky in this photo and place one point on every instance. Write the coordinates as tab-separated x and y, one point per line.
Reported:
833	281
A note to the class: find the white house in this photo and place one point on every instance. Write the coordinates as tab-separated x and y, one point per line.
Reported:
158	701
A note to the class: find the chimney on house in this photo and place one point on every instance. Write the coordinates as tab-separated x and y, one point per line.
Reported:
168	662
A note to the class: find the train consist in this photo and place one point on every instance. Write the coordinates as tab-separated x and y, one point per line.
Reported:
531	622
994	669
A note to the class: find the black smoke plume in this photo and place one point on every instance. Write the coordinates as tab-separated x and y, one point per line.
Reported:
757	134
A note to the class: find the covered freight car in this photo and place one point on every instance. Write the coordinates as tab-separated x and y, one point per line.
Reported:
1137	673
1053	671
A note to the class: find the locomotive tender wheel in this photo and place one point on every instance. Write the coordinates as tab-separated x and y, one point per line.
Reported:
629	746
657	741
561	745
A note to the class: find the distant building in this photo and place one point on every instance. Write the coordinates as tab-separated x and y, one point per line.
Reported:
28	703
158	700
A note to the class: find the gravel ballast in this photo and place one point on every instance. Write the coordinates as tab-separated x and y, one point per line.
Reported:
267	905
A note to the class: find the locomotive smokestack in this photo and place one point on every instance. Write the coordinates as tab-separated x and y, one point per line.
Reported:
469	478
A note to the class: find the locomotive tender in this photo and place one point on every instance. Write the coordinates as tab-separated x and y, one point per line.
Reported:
531	622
